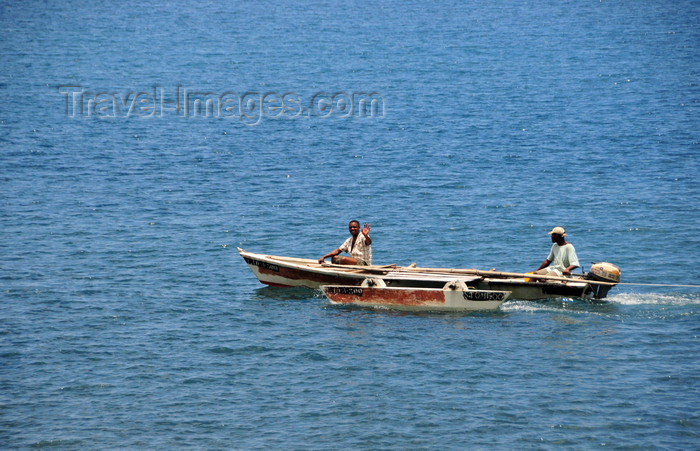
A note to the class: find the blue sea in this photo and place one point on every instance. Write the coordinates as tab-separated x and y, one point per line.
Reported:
142	142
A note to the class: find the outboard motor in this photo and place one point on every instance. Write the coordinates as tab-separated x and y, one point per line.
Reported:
603	272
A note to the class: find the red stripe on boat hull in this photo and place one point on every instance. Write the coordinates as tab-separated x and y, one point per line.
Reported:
279	285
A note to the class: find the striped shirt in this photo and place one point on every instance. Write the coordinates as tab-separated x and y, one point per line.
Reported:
362	251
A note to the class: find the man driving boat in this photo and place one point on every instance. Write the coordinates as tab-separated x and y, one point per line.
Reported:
562	257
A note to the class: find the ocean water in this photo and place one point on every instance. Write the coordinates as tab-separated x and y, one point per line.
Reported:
142	142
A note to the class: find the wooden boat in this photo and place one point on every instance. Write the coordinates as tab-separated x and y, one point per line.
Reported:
294	272
453	297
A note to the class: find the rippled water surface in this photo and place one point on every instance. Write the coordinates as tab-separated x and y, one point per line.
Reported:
128	320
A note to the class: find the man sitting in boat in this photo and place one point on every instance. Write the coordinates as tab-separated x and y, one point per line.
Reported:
562	258
359	246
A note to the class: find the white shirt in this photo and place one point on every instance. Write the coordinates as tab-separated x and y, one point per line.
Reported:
362	251
562	257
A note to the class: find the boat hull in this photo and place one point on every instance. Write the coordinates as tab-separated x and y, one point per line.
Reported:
298	272
521	289
415	299
278	273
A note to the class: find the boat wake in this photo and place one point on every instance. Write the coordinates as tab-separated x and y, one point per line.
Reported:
557	305
619	299
654	298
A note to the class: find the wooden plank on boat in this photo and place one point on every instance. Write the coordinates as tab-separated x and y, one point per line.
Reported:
400	275
372	269
517	275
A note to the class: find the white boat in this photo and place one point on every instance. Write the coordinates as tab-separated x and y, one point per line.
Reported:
455	296
294	272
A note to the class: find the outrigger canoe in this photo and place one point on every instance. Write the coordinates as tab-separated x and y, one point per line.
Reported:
453	297
297	272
